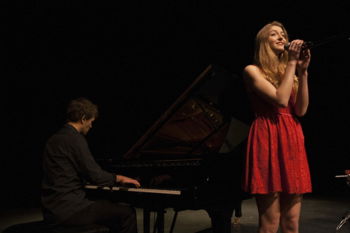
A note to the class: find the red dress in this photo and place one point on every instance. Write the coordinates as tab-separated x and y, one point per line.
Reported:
276	159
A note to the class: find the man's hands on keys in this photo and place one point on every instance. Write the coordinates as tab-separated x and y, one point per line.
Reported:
124	180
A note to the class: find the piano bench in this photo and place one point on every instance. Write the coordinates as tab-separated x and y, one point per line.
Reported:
41	227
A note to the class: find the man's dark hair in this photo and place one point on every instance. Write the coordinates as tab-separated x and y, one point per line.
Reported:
81	108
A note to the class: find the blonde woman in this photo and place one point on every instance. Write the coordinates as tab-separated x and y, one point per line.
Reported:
277	171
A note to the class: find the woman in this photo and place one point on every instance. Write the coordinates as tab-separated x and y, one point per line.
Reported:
277	171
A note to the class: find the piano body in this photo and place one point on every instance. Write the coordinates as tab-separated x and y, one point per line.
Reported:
192	156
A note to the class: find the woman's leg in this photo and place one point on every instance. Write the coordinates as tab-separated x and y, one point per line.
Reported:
269	212
290	212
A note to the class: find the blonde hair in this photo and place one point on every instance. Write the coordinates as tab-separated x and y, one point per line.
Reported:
272	66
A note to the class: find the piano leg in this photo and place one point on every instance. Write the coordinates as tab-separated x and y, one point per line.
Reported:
220	219
238	212
160	221
146	220
158	225
174	221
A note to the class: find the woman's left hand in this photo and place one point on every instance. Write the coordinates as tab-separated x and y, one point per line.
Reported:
304	60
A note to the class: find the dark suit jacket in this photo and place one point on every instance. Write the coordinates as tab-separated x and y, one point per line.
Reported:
67	164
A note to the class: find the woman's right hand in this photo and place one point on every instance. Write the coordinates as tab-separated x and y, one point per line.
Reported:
294	50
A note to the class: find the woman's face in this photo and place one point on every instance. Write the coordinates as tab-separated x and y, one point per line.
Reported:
276	39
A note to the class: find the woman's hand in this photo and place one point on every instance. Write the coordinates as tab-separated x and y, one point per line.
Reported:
303	61
294	50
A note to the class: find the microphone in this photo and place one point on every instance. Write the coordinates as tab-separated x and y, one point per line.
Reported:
305	45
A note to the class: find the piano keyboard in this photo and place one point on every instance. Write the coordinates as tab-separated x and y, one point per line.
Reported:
136	190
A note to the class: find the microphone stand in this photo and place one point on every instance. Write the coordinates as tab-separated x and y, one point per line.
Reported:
329	40
346	218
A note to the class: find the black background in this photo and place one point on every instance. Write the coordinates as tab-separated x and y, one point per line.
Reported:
134	59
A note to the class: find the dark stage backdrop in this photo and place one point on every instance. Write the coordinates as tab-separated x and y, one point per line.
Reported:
135	60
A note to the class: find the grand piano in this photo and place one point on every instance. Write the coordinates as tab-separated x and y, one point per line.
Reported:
191	158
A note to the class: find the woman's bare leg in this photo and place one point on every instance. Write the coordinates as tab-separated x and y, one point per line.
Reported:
269	212
290	212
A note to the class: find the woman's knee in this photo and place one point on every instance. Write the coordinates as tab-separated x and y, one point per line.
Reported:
290	223
271	221
268	227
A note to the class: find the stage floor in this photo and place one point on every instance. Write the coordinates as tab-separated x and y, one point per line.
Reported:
320	214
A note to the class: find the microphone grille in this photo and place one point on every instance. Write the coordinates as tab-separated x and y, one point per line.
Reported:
286	46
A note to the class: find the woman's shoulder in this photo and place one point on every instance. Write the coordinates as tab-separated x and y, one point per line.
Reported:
250	68
251	71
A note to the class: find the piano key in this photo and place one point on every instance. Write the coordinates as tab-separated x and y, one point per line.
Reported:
137	190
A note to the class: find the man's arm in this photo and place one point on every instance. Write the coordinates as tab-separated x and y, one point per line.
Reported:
94	173
88	167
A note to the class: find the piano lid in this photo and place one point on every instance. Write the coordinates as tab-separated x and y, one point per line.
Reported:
202	120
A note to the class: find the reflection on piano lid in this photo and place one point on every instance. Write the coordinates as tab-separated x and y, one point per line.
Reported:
210	116
135	190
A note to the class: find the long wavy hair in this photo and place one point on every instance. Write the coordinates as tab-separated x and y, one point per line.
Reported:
272	66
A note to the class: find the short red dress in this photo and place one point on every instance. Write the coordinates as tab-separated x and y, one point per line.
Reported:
276	160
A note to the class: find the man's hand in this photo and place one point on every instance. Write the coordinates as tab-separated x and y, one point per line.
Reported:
127	180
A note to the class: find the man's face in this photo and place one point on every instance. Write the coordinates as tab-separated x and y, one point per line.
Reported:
86	125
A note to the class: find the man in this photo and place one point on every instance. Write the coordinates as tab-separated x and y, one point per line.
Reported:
68	164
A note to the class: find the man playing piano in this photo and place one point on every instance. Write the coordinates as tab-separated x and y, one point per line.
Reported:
67	165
